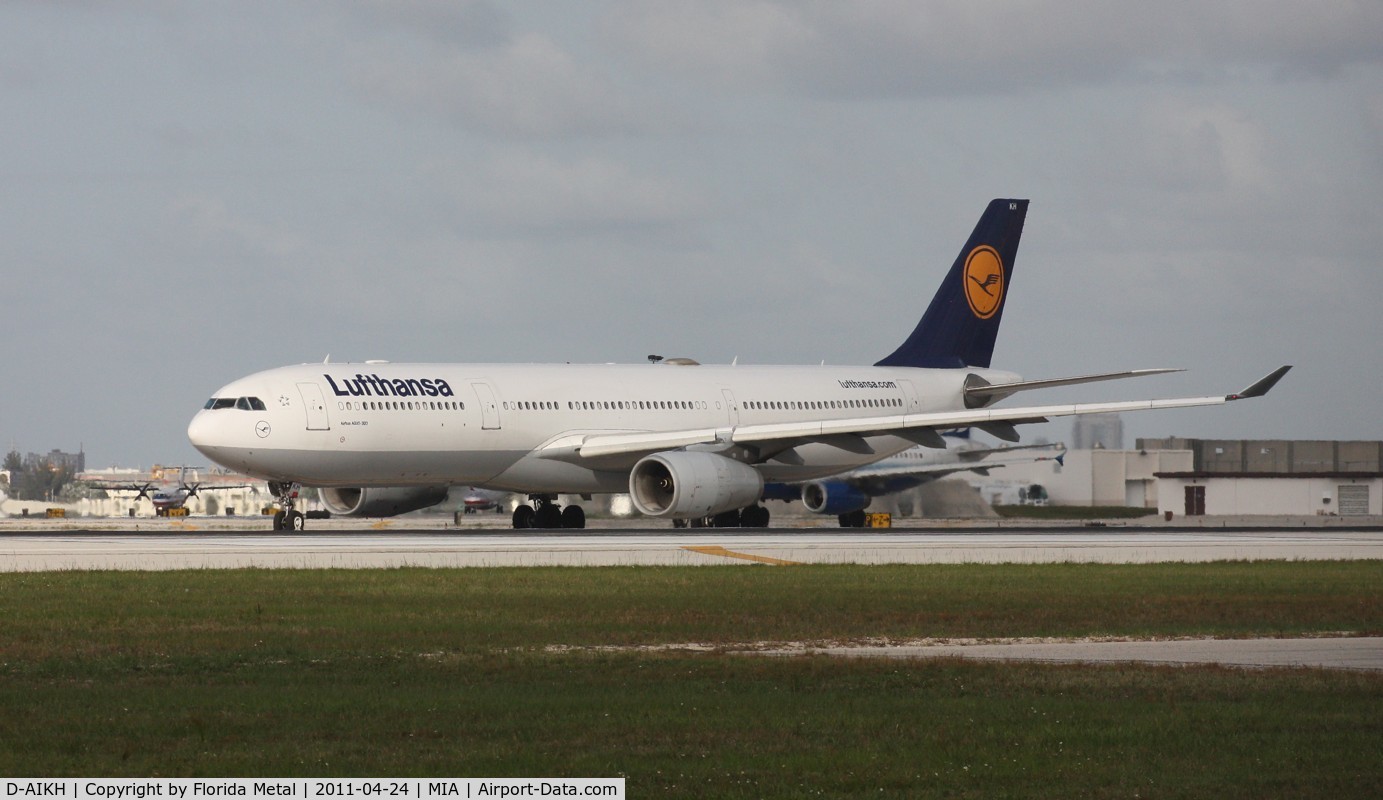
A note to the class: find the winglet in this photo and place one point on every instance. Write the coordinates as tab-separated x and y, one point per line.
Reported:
1262	386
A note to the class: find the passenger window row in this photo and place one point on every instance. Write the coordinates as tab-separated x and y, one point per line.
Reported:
401	405
606	405
822	405
696	405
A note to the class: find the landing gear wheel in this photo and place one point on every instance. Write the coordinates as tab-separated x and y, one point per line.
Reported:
295	521
278	520
573	517
524	517
754	517
726	519
548	516
855	519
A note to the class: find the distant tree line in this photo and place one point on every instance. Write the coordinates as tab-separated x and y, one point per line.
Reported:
41	480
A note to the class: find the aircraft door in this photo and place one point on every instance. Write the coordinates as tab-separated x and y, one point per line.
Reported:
913	406
731	407
316	407
489	409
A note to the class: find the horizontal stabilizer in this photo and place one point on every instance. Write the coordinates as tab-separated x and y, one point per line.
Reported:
973	390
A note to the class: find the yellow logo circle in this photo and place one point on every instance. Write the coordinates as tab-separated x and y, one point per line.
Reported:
984	281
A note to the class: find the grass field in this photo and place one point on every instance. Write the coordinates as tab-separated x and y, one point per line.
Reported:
451	672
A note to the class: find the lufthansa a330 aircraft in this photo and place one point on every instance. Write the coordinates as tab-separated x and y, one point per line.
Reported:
684	440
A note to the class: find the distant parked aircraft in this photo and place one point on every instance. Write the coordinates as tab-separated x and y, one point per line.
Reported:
847	496
165	495
476	500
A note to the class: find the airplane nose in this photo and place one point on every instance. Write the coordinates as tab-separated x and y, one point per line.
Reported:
201	432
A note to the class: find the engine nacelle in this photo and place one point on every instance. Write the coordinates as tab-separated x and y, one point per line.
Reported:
833	497
381	501
686	485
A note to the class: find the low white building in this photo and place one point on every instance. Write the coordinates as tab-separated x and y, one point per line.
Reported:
1330	493
1273	477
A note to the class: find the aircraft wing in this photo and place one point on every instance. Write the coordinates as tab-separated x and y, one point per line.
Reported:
847	432
144	489
981	453
892	481
979	462
218	487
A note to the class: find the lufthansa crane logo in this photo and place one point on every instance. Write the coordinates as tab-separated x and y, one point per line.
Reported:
984	281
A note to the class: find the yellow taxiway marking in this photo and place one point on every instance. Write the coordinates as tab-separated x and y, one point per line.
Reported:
381	525
184	526
716	550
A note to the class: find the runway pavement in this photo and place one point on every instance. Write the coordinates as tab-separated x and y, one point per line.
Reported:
169	548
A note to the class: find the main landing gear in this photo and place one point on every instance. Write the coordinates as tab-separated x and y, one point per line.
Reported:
545	513
752	517
288	517
853	519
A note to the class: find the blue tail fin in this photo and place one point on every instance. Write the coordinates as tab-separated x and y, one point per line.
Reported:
962	322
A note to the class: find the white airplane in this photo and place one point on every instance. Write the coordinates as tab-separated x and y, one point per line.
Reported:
164	494
847	496
476	500
685	441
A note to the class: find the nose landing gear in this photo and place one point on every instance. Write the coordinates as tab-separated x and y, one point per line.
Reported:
288	517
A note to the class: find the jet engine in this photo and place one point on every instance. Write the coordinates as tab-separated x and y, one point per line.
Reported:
833	497
381	502
686	485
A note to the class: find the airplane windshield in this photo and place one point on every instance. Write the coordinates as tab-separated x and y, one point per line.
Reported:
242	403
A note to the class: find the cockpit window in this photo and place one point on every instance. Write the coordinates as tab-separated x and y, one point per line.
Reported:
242	403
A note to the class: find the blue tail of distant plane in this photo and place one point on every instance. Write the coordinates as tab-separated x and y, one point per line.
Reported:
962	322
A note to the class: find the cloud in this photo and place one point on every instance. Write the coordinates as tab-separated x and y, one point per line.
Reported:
209	225
891	48
526	85
454	22
524	191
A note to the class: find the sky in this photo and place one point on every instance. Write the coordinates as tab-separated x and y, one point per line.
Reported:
191	192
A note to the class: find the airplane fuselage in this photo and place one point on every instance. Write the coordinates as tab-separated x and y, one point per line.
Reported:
497	425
